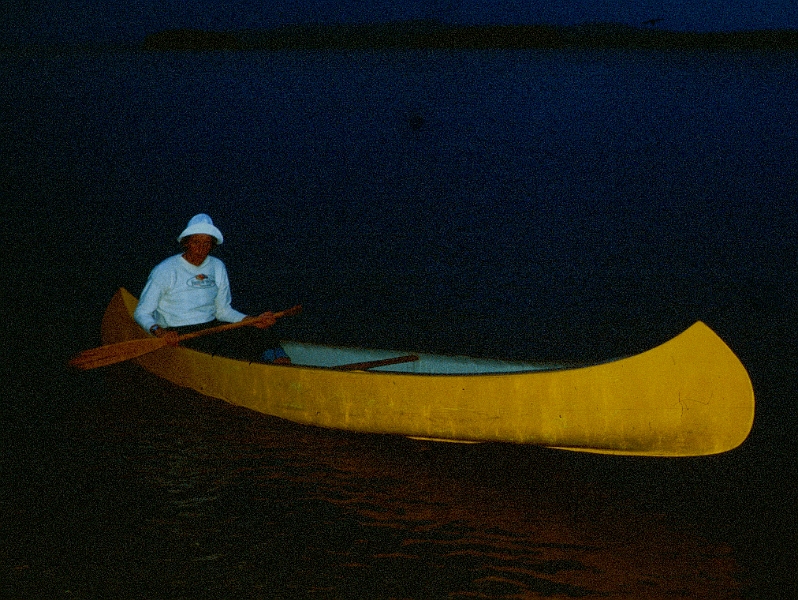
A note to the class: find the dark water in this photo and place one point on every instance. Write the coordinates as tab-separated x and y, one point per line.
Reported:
537	205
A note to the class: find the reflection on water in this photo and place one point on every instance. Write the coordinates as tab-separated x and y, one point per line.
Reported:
227	502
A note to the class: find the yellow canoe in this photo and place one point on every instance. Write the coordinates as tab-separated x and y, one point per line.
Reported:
691	396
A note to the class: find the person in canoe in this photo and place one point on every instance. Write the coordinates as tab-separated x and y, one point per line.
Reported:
190	291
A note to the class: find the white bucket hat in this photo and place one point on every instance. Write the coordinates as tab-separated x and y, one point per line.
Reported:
201	223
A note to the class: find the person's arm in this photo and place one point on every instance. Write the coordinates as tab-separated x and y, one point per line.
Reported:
224	311
144	314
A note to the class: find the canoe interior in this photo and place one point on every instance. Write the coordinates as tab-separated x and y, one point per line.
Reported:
316	355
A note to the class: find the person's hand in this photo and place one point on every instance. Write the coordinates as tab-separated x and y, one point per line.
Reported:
171	337
263	320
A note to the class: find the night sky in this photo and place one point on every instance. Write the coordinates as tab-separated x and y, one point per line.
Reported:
81	21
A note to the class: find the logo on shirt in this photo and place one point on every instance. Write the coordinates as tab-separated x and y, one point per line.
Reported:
201	281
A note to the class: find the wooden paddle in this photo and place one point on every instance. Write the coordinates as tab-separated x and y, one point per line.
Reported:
115	353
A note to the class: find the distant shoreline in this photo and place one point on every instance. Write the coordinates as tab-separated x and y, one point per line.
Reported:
432	35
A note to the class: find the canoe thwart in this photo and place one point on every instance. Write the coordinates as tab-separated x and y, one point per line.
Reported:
363	366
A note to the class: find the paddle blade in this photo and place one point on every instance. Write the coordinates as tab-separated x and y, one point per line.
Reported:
115	353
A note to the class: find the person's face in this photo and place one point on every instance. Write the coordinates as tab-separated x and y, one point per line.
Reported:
198	246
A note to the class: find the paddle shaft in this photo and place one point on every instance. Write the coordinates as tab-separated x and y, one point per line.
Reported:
227	326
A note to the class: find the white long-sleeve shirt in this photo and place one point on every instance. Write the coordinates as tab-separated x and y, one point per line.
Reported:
179	293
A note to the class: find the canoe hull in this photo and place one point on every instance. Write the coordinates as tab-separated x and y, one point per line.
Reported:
688	397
